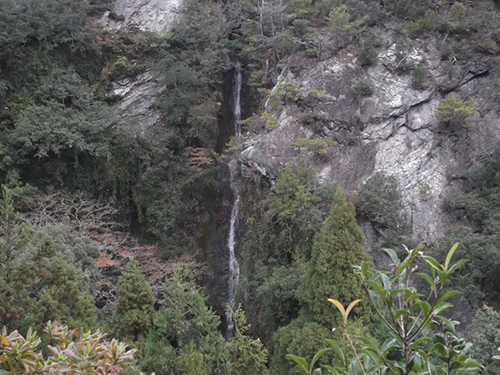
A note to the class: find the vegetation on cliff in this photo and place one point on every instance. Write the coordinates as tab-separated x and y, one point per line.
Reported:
84	192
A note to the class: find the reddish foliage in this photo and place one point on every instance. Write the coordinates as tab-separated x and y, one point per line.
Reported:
197	157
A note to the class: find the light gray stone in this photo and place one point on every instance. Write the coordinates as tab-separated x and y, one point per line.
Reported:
147	15
138	95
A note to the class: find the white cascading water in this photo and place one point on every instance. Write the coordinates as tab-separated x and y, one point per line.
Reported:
236	101
234	267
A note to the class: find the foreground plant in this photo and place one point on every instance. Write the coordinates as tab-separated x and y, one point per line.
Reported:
74	351
422	341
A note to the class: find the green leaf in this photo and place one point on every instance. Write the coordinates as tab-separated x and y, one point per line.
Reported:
460	263
300	361
377	288
442	307
420	247
400	313
393	255
317	356
429	281
389	343
331	369
447	322
337	349
433	263
420	341
443	277
450	255
448	295
364	267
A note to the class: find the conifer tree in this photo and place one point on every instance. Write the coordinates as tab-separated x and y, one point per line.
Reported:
135	304
247	355
185	339
337	247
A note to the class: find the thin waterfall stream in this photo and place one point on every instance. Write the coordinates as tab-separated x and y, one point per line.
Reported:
234	267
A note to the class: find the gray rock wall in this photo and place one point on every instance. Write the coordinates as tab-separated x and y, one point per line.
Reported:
146	15
393	131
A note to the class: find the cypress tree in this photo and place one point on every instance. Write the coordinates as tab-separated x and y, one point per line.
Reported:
337	247
135	304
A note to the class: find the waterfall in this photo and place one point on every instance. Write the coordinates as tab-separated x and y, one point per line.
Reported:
237	101
234	267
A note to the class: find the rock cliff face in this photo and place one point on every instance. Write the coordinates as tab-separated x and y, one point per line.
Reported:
137	97
393	131
146	15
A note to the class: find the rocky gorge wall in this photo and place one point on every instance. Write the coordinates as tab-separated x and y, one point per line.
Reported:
147	15
393	131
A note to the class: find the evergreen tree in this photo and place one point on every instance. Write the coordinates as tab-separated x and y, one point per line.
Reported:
337	247
247	355
135	304
186	339
37	282
300	336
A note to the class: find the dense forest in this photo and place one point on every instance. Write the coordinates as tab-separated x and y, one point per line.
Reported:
110	226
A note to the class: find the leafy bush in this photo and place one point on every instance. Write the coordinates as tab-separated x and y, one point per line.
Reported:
421	339
363	88
339	20
486	339
380	202
454	112
40	282
49	23
367	54
73	351
419	78
475	207
423	24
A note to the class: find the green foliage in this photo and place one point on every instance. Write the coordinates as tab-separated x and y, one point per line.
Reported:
270	121
363	88
283	93
301	337
247	355
73	351
475	207
134	305
367	55
187	329
42	279
486	338
423	24
122	67
422	340
339	20
380	202
454	112
321	146
54	130
419	78
293	195
48	23
337	247
66	87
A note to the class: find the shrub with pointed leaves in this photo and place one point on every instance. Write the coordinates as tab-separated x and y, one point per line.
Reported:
422	340
74	351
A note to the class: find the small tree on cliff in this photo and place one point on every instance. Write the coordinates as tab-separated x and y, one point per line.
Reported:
337	247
